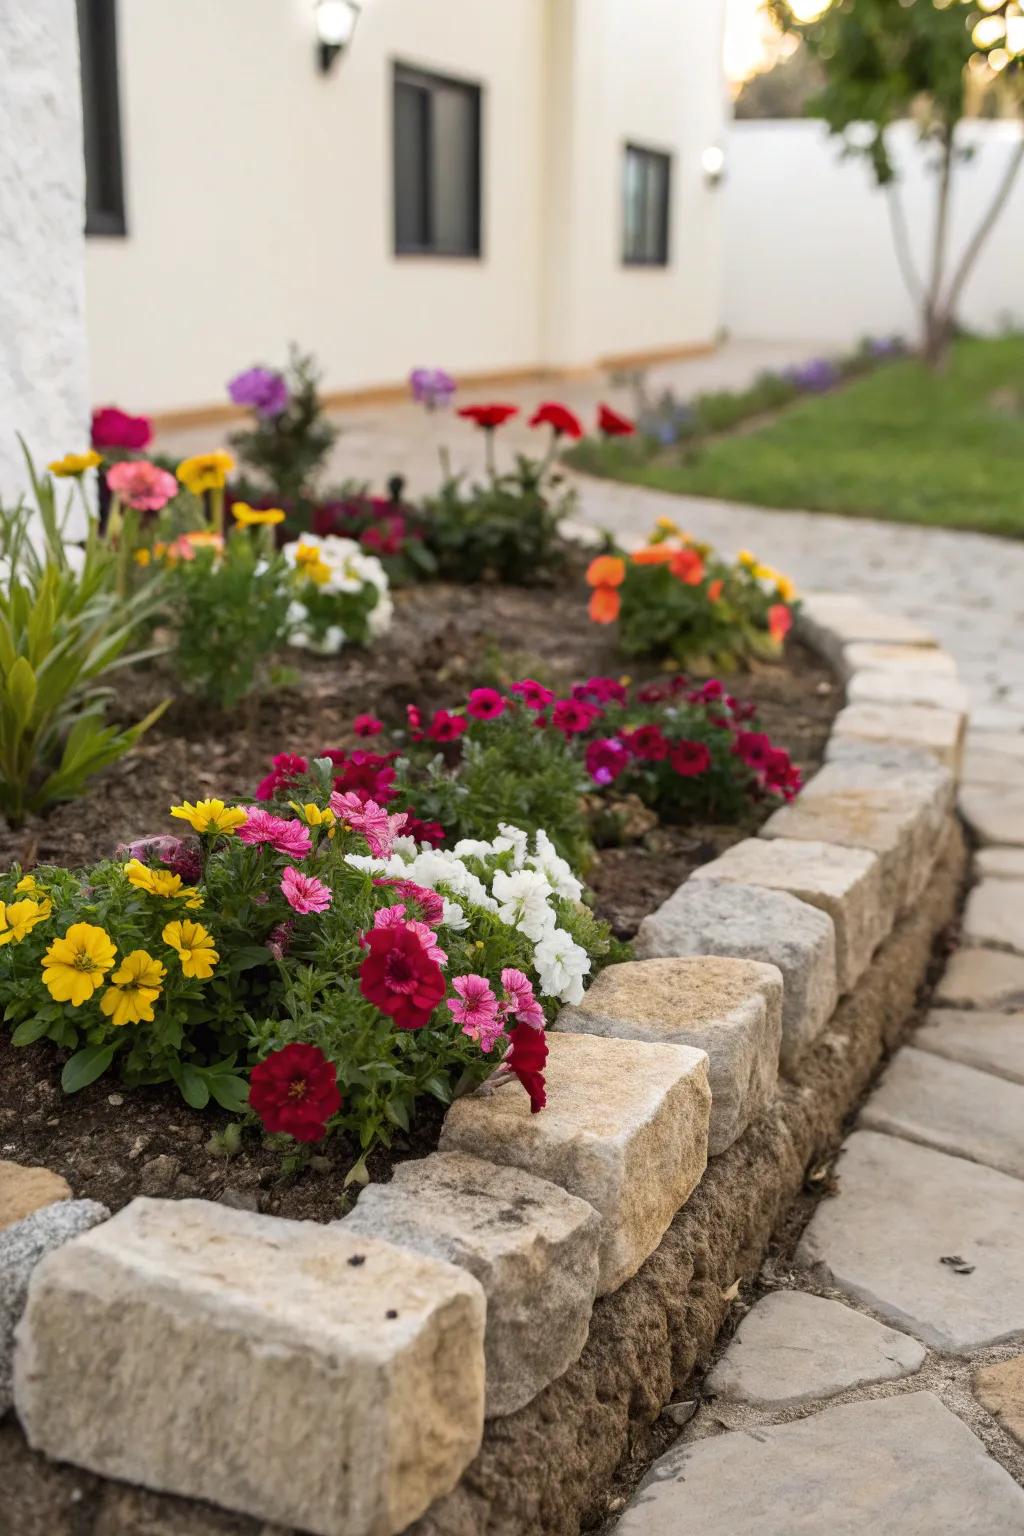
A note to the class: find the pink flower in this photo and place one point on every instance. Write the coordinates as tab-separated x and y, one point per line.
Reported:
603	689
429	902
394	917
533	694
286	767
476	1009
303	893
142	485
371	819
574	715
446	726
606	759
485	704
288	837
519	999
367	725
279	939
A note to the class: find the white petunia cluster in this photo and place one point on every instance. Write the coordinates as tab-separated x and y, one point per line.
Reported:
524	897
352	569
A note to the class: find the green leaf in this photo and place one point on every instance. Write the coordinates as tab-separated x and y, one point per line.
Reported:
231	1093
439	1087
21	690
85	1066
192	1083
30	1031
397	1111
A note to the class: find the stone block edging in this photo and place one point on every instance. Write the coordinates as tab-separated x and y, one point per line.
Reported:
568	1204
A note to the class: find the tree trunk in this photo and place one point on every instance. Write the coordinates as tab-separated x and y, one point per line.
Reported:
936	320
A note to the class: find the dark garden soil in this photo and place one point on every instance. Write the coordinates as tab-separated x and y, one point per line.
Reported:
112	1143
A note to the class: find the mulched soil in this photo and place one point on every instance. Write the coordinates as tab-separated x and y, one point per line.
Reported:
111	1143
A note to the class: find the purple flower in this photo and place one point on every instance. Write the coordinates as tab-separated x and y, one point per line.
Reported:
264	389
432	387
816	376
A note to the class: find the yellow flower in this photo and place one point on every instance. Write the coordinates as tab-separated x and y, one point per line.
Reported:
254	517
765	572
320	572
307	554
314	815
211	816
74	966
31	887
310	563
18	918
746	559
142	557
136	988
157	882
205	471
194	946
74	464
668	525
785	588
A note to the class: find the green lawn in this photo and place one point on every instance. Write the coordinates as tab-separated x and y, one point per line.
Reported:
901	443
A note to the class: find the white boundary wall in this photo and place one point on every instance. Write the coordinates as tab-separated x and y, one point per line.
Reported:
808	251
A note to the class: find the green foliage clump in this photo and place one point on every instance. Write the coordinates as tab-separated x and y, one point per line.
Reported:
505	528
286	452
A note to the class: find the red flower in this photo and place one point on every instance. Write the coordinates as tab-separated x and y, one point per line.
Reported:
285	768
527	1053
447	727
430	832
755	749
648	742
368	774
559	418
688	565
780	622
112	428
650	694
414	720
574	715
606	759
690	758
399	978
367	725
295	1090
485	704
612	424
533	694
603	689
489	416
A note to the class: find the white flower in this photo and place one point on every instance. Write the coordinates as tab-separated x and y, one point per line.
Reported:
523	901
406	847
454	917
368	865
379	620
561	965
472	848
514	838
551	863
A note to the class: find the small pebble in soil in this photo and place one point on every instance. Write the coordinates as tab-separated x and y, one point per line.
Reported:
158	1175
357	1259
115	1099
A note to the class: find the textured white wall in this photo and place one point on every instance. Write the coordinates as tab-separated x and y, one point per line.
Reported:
259	193
43	372
808	252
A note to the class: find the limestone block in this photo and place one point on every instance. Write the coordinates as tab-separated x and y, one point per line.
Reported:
906	687
938	731
981	978
870	656
844	882
994	915
25	1189
716	917
793	1347
1000	1389
625	1128
285	1369
1000	863
21	1248
891	800
732	1009
995	813
532	1246
992	1042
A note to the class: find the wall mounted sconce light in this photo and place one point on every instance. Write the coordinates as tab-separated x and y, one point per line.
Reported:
712	163
335	24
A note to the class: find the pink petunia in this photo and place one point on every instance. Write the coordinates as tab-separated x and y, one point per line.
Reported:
142	485
428	901
367	725
533	694
574	715
371	819
520	1002
394	917
288	837
303	893
476	1009
485	704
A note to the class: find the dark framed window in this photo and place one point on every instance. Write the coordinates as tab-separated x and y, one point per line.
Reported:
437	165
646	190
101	118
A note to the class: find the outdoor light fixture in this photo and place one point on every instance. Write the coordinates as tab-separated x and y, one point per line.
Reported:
713	164
335	24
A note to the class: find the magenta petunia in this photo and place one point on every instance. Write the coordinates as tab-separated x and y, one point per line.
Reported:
303	893
485	704
367	725
476	1009
533	694
288	837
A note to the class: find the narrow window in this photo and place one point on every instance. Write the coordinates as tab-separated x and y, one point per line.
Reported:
101	118
437	165
646	186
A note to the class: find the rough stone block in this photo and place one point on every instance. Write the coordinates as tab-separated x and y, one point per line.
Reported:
937	731
280	1368
829	621
907	687
625	1128
981	978
870	656
21	1248
730	1008
992	1042
532	1246
994	915
715	917
901	1209
954	1108
886	1467
891	800
793	1347
844	882
1000	863
24	1190
1000	1389
995	813
984	765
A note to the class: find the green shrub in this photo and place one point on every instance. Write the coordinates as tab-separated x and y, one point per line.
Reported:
506	528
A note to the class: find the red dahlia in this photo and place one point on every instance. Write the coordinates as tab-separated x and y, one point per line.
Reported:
295	1090
559	418
399	978
489	416
527	1053
612	424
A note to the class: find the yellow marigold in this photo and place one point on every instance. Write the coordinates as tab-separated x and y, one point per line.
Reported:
255	517
74	966
765	572
74	464
211	817
205	471
746	559
136	987
194	946
17	918
142	557
785	588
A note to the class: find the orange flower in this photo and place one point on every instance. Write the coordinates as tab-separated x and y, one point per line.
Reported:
780	622
605	603
688	566
654	554
606	571
715	590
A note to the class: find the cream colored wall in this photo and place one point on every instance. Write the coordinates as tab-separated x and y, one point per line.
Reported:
259	193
